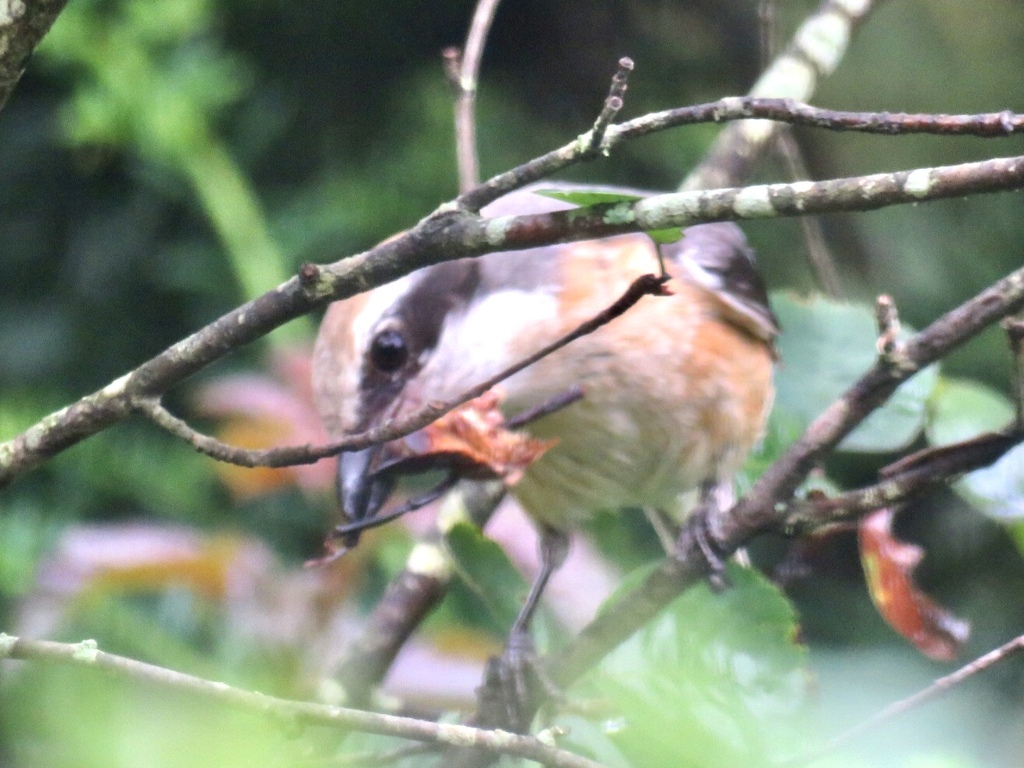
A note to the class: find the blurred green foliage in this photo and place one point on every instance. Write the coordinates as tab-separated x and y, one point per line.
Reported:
165	160
712	675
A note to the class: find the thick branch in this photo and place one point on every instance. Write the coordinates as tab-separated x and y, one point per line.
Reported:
860	193
85	654
22	25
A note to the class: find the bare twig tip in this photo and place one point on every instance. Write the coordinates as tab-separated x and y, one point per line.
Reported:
309	274
612	104
888	320
452	58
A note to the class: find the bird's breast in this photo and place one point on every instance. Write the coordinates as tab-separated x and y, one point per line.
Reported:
674	395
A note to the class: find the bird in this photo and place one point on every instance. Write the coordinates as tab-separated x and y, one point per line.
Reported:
676	391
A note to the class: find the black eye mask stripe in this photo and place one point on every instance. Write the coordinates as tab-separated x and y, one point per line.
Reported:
419	317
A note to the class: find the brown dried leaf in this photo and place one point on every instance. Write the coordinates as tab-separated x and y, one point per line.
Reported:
474	440
888	567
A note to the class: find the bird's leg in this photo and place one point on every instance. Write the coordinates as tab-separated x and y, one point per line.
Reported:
665	528
715	497
554	546
516	670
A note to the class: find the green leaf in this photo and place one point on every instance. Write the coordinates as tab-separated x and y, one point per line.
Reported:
825	347
485	568
584	198
716	679
962	409
665	236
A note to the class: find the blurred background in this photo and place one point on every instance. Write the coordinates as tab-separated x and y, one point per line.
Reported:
165	160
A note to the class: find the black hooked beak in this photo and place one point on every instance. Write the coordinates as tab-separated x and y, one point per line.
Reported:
367	478
362	490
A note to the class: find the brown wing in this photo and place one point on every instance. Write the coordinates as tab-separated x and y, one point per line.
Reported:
717	256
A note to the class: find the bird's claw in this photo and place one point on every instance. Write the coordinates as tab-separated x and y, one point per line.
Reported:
515	684
698	529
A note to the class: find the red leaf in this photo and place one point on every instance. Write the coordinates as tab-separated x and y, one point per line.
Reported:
888	567
473	438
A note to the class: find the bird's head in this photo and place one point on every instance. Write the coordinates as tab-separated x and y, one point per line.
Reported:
424	338
435	333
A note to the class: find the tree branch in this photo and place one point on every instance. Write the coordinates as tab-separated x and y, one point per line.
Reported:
612	106
22	25
450	234
464	72
941	686
85	654
906	478
989	125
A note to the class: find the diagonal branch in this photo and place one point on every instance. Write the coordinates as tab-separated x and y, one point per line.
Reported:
22	25
901	481
896	709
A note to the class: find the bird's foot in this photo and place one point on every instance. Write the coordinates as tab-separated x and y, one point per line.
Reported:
515	685
698	530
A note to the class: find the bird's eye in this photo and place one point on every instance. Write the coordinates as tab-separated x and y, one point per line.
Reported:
388	351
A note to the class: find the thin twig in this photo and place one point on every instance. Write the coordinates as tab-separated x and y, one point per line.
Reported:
375	759
898	708
887	318
85	654
612	104
556	403
466	82
822	261
1014	328
645	285
766	30
348	531
906	478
